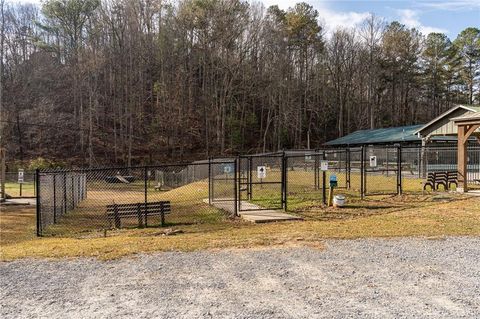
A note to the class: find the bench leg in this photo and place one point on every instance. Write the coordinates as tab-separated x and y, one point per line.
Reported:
117	221
139	216
116	217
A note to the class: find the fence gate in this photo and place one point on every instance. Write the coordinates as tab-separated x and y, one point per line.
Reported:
222	185
261	182
381	170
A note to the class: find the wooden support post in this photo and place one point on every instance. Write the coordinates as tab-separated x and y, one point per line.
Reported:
462	159
464	132
330	196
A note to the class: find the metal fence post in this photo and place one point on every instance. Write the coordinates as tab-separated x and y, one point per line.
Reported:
73	190
38	206
386	156
284	181
348	168
324	182
145	189
213	184
145	184
249	178
235	187
35	184
64	193
399	170
362	172
209	181
315	170
54	198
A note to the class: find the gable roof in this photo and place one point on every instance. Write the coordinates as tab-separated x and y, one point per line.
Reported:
379	136
447	113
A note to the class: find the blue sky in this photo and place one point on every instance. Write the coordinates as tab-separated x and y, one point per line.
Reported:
449	16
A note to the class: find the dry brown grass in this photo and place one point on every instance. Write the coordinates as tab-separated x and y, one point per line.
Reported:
404	216
17	223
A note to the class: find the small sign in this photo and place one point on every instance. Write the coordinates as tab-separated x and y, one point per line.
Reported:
227	169
324	166
373	161
261	172
20	176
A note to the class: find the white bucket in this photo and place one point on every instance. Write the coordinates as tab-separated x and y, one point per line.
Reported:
338	201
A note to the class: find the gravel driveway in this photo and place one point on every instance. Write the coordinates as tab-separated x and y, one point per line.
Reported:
368	278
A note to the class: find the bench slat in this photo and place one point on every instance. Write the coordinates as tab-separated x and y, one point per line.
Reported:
135	204
118	211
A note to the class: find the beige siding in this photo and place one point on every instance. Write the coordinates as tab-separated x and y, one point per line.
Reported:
444	126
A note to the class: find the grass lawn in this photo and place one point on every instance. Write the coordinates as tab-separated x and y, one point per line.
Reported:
13	189
409	215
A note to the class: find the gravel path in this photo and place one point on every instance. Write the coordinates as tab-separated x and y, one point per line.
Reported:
368	278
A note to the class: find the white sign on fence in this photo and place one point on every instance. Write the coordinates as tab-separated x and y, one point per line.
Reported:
20	176
227	169
373	161
324	166
261	172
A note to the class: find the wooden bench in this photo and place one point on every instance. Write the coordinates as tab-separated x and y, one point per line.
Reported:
444	178
142	211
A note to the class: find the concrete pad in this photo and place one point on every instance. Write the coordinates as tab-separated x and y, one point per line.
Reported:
252	212
266	216
19	201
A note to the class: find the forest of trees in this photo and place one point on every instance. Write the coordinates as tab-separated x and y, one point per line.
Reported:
138	81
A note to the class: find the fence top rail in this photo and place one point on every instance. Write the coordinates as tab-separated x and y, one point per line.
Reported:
107	168
272	154
440	147
285	153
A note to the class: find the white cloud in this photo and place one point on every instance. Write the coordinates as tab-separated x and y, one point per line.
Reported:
410	19
24	1
330	19
333	20
456	5
282	4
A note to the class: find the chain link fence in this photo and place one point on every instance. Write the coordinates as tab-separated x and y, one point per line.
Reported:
76	202
82	201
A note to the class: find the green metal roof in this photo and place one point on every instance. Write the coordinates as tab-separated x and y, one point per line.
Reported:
399	134
390	135
380	136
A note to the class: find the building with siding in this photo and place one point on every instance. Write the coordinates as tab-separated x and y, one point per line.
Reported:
442	129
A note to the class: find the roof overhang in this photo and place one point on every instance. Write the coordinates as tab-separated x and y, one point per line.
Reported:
469	119
441	116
